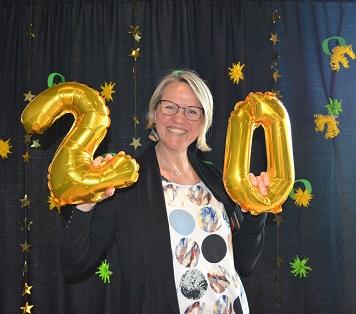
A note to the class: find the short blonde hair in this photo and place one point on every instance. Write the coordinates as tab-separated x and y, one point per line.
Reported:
201	92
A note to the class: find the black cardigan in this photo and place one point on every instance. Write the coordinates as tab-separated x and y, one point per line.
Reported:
136	219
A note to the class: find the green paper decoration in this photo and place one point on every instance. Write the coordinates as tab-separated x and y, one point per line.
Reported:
325	44
307	186
104	271
299	267
50	80
334	107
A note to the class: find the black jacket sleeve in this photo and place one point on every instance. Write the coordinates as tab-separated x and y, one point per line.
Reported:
85	238
248	242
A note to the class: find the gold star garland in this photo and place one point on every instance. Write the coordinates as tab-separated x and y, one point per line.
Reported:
274	39
25	200
275	57
135	54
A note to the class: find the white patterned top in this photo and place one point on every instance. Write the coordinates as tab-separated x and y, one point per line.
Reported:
205	276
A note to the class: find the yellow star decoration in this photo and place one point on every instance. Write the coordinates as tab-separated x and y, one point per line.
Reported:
135	53
28	96
36	144
25	225
26	157
235	72
25	247
25	269
5	148
25	202
338	57
276	75
331	123
136	142
274	39
26	289
278	219
135	121
54	203
302	198
26	308
136	34
27	138
107	90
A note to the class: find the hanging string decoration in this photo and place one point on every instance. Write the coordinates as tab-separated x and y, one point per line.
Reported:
135	54
25	201
274	38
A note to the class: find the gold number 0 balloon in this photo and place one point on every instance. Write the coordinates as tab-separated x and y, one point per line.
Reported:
266	110
72	177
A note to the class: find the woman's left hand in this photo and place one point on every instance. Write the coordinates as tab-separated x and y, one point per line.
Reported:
261	182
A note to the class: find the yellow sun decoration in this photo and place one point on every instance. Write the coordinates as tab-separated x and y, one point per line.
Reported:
235	72
5	148
302	198
107	90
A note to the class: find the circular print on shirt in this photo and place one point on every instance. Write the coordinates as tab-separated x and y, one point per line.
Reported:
170	193
237	306
218	279
223	305
213	248
209	219
187	252
193	284
181	221
198	195
197	308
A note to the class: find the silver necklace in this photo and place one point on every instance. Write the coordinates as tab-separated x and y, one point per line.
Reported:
175	171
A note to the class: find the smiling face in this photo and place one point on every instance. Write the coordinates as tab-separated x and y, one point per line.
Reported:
177	132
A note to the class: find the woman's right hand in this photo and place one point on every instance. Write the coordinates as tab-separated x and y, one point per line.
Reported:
97	162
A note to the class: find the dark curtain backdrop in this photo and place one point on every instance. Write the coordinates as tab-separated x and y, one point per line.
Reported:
88	42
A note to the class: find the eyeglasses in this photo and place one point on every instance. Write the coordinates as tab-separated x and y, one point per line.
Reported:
170	108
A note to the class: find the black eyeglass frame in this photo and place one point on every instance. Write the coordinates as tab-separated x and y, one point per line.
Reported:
201	110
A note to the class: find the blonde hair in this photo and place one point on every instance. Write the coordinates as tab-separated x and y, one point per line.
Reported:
201	92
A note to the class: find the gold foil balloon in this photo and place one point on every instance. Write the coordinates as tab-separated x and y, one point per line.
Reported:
72	177
259	109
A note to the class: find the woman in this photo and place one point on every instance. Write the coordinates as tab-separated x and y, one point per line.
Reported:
179	242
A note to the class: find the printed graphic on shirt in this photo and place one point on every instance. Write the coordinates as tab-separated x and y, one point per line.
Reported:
187	252
204	272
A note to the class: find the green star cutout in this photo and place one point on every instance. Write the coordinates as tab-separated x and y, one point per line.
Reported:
334	107
299	267
104	272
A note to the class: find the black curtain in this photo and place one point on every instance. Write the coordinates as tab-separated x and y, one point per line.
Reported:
88	42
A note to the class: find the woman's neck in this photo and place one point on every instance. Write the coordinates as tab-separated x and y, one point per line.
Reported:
172	158
175	166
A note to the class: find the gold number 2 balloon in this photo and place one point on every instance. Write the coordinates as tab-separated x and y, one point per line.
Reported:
72	177
259	109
